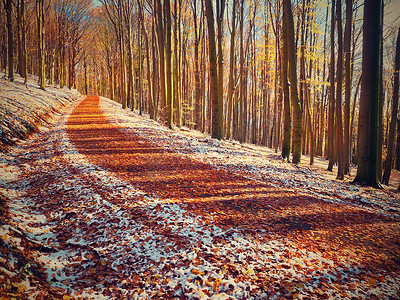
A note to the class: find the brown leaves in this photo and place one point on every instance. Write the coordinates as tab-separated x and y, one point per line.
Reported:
193	230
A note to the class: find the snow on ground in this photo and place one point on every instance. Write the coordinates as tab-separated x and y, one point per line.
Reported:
24	107
258	163
168	248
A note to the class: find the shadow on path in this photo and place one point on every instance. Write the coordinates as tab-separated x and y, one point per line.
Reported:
232	200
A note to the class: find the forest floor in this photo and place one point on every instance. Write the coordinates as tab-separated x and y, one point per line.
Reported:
103	203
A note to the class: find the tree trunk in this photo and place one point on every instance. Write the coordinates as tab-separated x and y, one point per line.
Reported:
176	81
161	54
155	80
10	47
397	163
287	123
331	116
197	100
140	75
243	98
347	95
131	99
381	105
339	76
370	92
297	111
393	121
152	109
40	21
231	72
220	105
21	19
168	63
216	113
85	70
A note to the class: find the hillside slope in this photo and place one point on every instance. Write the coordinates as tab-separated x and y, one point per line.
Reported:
23	108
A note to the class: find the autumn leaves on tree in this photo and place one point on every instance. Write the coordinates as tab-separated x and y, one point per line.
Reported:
277	73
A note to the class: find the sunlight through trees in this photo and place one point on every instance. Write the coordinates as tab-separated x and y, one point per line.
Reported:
233	69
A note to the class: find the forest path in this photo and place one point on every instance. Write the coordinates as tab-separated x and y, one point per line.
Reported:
230	200
128	209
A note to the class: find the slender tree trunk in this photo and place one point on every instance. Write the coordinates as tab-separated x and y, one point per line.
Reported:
197	100
393	121
4	39
310	116
155	80
324	93
10	47
368	126
61	56
231	72
131	99
40	21
152	109
331	116
266	90
85	70
302	83
381	105
287	123
161	54
176	81
348	86
220	105
168	63
339	76
397	162
254	97
243	98
140	75
52	67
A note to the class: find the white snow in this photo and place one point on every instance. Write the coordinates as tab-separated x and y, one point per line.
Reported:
122	240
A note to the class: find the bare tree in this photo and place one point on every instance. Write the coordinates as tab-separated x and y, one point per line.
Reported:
10	48
393	121
370	94
297	111
214	94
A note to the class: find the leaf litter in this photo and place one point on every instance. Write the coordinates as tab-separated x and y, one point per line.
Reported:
119	206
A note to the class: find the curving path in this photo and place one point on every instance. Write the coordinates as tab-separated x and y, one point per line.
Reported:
229	200
123	214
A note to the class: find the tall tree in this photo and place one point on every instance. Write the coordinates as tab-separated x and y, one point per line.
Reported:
41	50
10	48
368	125
348	86
231	72
331	112
177	65
217	116
297	111
393	121
127	10
339	79
168	63
242	81
161	51
22	53
287	123
197	108
220	5
152	108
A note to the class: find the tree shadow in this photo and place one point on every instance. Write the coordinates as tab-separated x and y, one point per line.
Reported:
249	206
